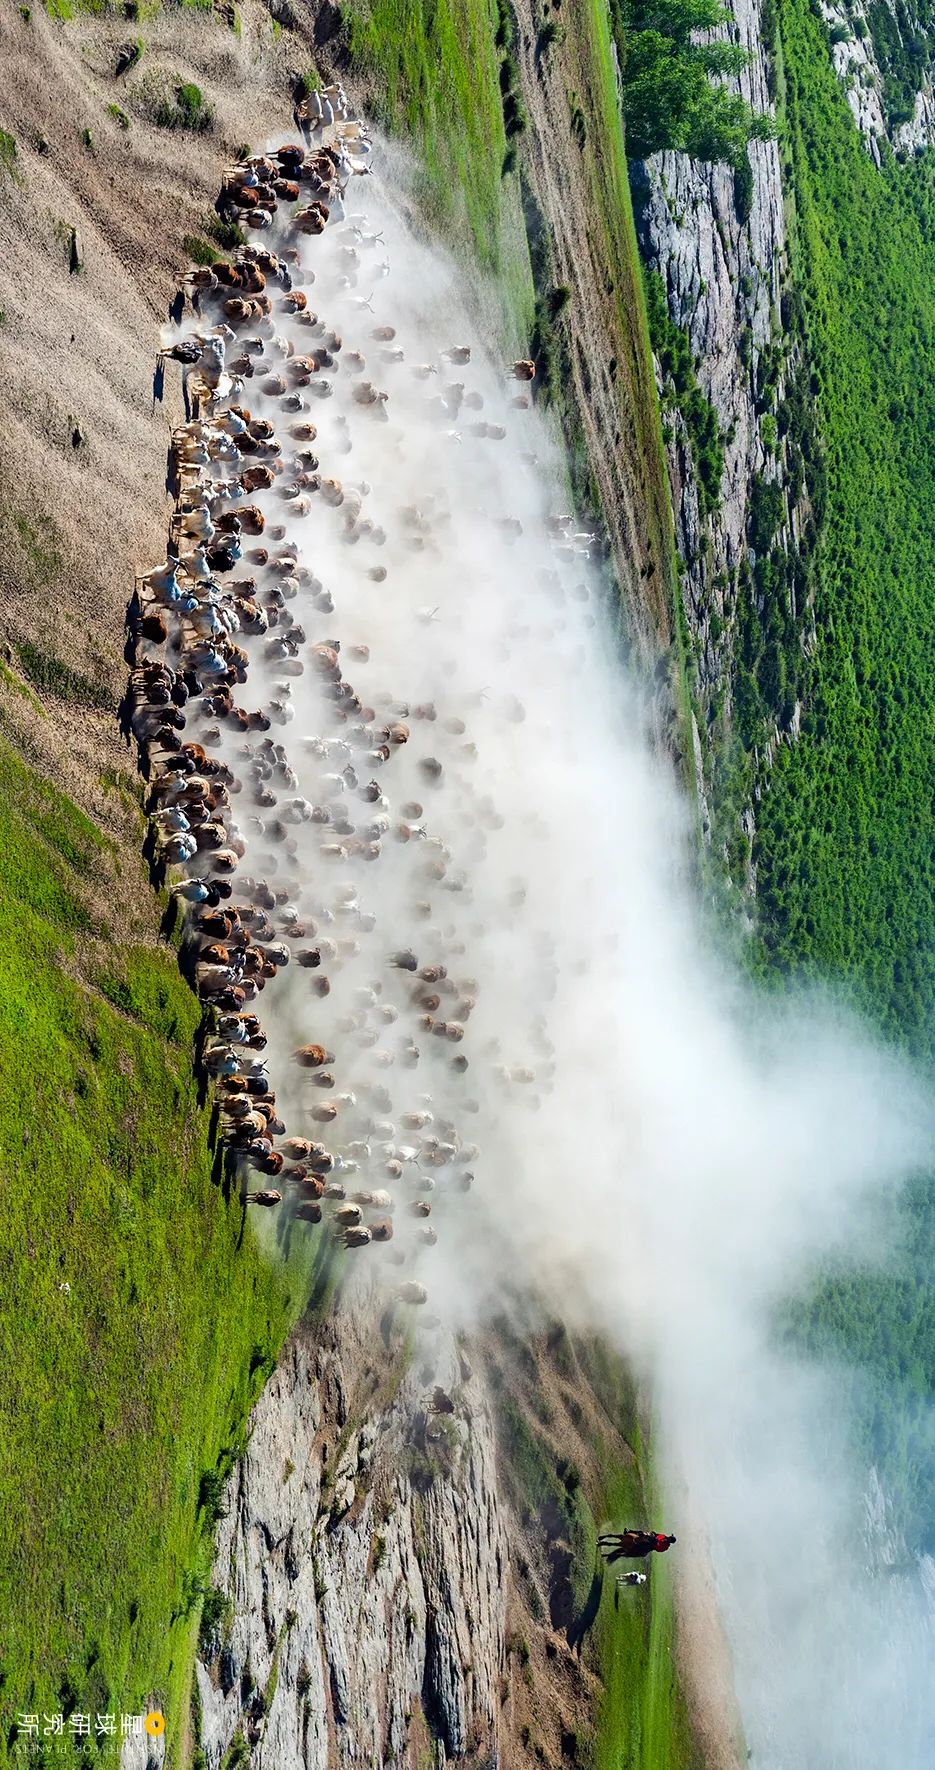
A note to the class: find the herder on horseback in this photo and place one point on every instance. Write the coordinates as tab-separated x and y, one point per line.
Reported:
632	1545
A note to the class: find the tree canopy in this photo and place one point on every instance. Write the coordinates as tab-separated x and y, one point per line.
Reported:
670	93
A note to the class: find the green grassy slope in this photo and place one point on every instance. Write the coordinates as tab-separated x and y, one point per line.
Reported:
436	65
575	1461
844	853
119	1395
590	33
642	1719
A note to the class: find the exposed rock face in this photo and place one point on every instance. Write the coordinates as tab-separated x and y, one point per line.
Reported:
720	247
857	65
364	1554
723	277
141	1752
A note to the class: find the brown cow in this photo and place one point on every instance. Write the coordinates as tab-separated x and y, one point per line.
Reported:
313	219
153	627
319	1159
312	1056
309	1185
325	1113
257	479
295	1149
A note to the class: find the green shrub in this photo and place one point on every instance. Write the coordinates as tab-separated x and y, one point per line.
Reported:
514	115
549	36
188	110
515	120
569	1475
128	56
765	514
680	388
211	1495
422	1467
200	251
545	353
239	1753
227	233
506	31
216	1611
7	151
743	188
190	99
120	117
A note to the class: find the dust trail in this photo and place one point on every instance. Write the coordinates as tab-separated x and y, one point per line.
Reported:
660	1151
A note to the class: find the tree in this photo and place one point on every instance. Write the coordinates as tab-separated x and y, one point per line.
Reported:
675	19
669	97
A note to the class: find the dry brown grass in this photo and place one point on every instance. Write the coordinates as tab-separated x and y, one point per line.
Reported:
82	466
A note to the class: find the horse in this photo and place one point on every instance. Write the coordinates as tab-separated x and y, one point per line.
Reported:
633	1545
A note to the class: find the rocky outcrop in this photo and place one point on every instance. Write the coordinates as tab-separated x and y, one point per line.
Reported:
717	237
861	61
362	1558
719	244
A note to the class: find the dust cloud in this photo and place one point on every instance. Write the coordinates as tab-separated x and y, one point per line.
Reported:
588	1100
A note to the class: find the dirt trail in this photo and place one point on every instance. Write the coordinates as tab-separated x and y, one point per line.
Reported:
611	404
613	388
702	1651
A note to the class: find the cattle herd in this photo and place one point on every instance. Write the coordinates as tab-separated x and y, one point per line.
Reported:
279	784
